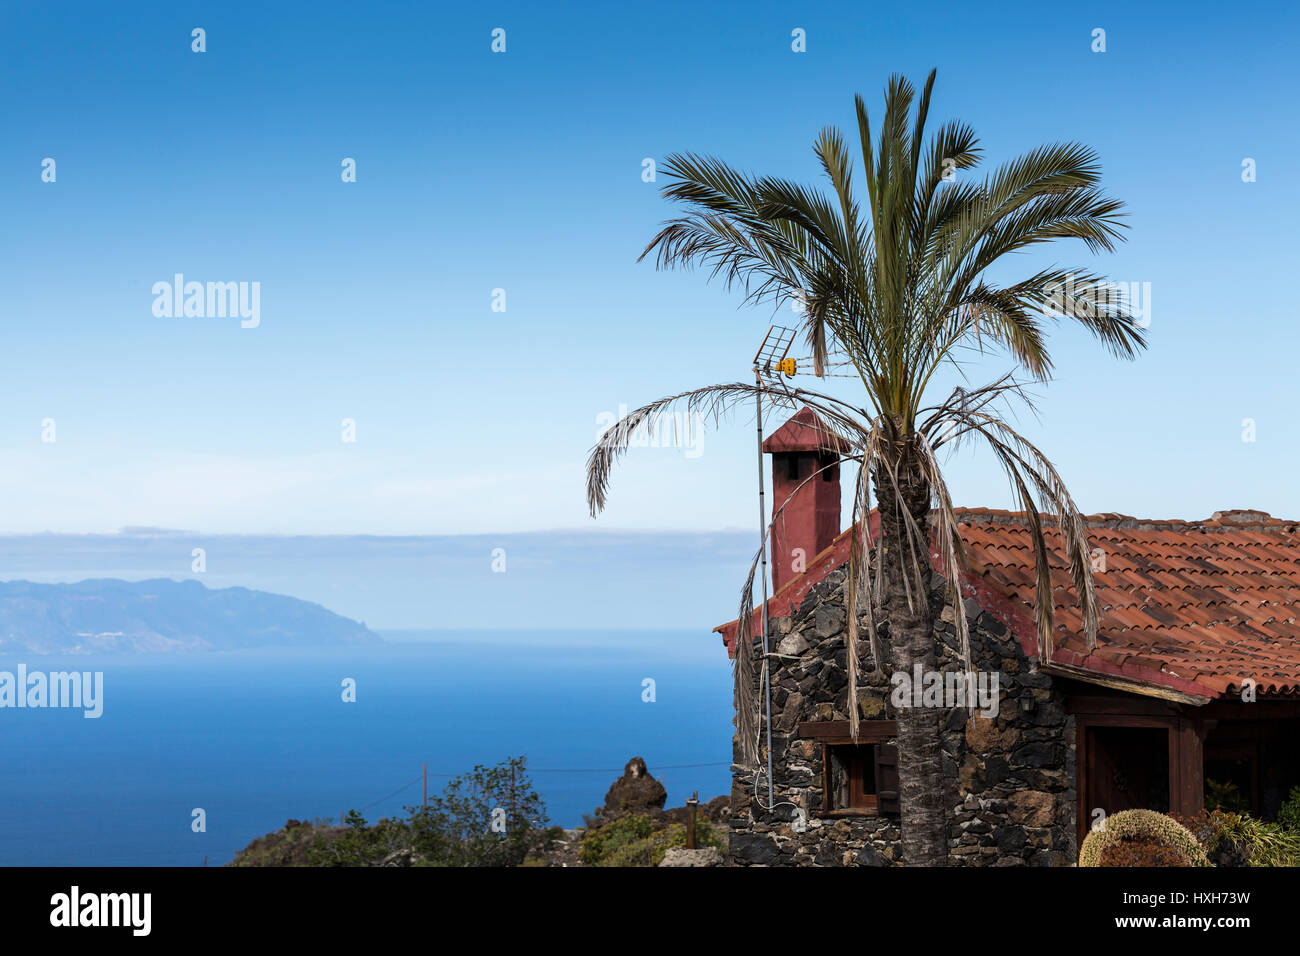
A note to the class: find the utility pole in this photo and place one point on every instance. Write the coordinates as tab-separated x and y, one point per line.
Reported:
691	804
771	359
425	802
762	534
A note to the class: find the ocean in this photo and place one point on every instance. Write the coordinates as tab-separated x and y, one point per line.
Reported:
254	738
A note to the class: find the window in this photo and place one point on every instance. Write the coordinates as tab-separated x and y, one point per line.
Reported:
859	774
852	777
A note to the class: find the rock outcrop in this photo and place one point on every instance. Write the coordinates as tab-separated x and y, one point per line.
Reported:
634	792
680	856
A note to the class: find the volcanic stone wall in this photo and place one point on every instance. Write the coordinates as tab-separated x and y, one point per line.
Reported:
1009	779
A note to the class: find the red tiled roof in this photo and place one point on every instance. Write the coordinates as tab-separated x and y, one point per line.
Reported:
1197	607
1190	607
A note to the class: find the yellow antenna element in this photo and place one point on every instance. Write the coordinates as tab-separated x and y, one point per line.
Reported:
773	354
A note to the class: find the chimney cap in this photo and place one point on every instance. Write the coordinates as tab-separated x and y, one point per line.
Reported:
805	432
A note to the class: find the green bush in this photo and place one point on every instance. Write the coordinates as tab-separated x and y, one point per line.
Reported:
1270	843
1224	796
1152	836
599	845
289	846
1220	835
633	841
1237	839
1288	816
359	844
490	816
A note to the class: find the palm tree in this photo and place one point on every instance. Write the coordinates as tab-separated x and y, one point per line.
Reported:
895	284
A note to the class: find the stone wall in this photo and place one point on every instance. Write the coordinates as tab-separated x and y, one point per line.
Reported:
1010	779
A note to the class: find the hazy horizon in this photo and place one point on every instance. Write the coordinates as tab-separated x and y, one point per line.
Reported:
594	579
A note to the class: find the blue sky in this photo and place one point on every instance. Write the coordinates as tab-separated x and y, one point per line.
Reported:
522	171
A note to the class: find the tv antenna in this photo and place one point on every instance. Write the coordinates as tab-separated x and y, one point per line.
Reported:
772	357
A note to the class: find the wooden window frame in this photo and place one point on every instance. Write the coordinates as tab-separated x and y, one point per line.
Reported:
871	733
860	804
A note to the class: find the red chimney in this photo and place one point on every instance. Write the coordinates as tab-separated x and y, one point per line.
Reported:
803	525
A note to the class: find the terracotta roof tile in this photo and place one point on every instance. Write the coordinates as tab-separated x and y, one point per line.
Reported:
1198	607
1214	602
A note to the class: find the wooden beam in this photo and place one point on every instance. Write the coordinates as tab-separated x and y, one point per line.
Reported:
1191	736
1176	769
1083	773
837	731
1166	722
1127	704
828	801
1120	683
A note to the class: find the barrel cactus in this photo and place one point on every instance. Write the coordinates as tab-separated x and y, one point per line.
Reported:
1172	843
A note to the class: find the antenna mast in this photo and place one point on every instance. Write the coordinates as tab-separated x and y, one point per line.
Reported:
769	360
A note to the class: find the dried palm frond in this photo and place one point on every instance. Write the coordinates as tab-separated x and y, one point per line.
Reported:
744	698
839	421
712	402
1036	485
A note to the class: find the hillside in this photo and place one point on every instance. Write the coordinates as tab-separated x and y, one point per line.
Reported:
107	616
631	828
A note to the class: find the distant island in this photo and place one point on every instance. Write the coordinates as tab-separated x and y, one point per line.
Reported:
160	615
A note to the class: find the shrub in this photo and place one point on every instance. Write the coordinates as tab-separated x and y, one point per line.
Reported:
599	845
1288	816
1221	835
1271	845
490	816
1224	796
290	846
1140	853
360	844
1233	839
633	841
1145	830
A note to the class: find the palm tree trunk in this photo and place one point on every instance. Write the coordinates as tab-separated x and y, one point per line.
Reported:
911	642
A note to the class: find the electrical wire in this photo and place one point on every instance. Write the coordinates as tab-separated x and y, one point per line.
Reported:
391	795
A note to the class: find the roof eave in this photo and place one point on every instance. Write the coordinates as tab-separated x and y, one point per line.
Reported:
1129	685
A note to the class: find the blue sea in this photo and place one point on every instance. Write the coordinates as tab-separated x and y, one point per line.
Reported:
255	738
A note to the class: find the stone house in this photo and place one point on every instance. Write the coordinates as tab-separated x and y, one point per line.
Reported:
1195	676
